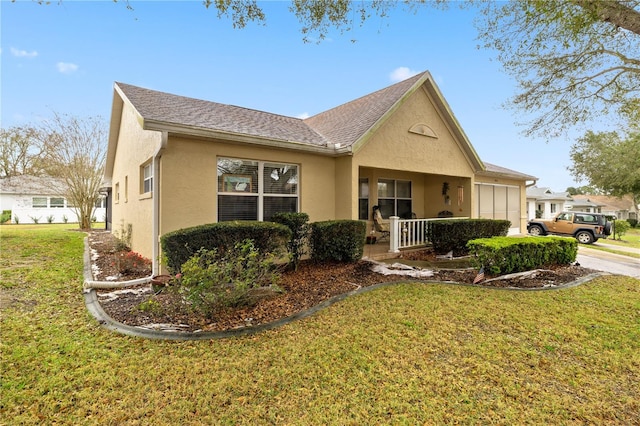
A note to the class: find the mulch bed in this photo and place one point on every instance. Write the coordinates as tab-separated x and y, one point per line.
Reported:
310	285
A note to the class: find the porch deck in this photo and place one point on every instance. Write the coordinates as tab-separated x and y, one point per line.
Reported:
380	251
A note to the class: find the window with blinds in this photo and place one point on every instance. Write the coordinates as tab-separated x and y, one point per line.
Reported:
255	190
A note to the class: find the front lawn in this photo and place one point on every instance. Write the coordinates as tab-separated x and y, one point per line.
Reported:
408	354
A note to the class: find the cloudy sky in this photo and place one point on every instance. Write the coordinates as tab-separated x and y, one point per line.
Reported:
65	58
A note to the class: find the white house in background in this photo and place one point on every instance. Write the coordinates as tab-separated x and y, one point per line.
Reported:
34	199
620	207
546	202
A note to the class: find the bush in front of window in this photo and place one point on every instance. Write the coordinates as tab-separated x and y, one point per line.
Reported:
505	255
453	235
337	240
180	245
298	223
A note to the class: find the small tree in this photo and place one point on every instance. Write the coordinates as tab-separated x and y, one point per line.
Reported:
20	153
75	152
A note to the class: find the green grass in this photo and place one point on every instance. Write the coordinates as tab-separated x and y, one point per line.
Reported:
630	239
407	354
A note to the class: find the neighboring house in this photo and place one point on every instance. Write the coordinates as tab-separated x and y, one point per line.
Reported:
34	199
175	162
620	207
543	203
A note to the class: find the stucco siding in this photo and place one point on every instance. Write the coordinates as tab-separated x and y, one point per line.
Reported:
189	180
394	146
129	206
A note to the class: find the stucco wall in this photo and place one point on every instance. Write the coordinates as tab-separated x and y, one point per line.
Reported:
394	147
135	148
188	180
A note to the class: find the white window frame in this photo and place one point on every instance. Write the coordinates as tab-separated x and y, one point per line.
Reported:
260	194
146	174
58	206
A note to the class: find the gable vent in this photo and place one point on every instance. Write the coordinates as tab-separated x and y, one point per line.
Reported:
423	130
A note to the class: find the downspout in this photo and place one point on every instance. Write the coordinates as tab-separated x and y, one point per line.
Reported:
164	139
89	283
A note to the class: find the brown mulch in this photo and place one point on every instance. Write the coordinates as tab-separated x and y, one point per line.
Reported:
310	285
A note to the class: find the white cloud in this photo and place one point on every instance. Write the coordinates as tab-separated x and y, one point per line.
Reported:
66	67
401	73
23	53
303	115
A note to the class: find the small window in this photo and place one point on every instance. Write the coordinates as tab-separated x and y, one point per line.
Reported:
147	178
126	189
39	202
56	202
117	193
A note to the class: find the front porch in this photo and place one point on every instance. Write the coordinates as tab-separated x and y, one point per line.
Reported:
405	235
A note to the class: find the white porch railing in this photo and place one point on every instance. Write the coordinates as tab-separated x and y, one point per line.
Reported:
406	233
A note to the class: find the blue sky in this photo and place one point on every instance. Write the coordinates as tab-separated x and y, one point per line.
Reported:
65	58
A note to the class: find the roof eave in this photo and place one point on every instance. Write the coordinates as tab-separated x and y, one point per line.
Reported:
192	131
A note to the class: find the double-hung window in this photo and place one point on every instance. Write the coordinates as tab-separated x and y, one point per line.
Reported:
255	190
394	198
147	178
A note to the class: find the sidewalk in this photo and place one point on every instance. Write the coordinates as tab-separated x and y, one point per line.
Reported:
603	244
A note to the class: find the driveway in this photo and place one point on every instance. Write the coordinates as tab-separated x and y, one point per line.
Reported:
609	262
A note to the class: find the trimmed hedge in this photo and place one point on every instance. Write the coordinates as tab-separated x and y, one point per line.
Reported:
504	255
448	235
178	246
337	240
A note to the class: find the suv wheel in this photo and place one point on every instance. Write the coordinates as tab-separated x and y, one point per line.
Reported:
536	230
585	237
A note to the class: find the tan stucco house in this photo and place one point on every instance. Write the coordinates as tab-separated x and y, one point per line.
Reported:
175	162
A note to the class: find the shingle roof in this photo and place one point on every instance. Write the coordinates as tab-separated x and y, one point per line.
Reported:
493	169
30	185
546	193
347	123
206	115
617	203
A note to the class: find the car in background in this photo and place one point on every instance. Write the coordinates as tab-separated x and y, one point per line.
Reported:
585	227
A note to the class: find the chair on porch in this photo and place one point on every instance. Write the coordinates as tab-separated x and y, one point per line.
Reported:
379	226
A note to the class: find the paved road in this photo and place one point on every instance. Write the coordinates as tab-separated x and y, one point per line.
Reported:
609	262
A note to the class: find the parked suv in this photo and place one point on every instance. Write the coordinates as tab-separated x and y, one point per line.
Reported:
585	227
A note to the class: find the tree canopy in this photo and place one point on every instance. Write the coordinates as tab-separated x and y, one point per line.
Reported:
609	162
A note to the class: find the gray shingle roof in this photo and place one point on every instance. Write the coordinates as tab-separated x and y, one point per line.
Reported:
30	185
493	169
347	123
213	116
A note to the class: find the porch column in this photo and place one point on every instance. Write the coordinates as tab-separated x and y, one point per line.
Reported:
394	235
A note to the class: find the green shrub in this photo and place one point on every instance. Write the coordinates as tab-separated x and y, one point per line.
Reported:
212	280
5	216
504	255
337	240
633	222
620	228
453	235
299	227
178	246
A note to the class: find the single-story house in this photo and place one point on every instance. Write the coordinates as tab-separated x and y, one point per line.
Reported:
620	207
175	162
543	203
38	199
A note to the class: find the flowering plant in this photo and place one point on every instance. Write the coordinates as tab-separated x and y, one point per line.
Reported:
130	262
